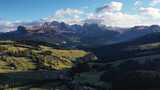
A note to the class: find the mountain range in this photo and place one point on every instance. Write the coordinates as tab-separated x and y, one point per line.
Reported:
60	33
87	57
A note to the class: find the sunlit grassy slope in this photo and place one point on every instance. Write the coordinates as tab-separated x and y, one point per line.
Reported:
69	54
21	57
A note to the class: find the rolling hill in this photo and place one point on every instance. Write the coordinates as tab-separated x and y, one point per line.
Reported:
16	56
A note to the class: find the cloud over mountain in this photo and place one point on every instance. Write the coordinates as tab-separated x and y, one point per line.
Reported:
150	11
68	15
155	2
6	26
110	14
113	6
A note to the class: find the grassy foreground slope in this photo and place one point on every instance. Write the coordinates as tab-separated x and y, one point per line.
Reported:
24	66
15	56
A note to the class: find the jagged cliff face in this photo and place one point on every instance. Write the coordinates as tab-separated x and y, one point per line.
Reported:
78	35
63	34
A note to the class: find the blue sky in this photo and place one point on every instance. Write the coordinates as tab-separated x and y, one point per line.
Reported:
121	13
36	9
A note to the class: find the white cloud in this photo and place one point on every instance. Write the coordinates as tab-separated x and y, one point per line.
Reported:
138	3
111	7
120	19
115	19
6	26
154	2
110	15
67	12
145	16
69	15
150	11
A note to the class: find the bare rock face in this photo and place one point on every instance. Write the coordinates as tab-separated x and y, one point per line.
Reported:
21	29
77	35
